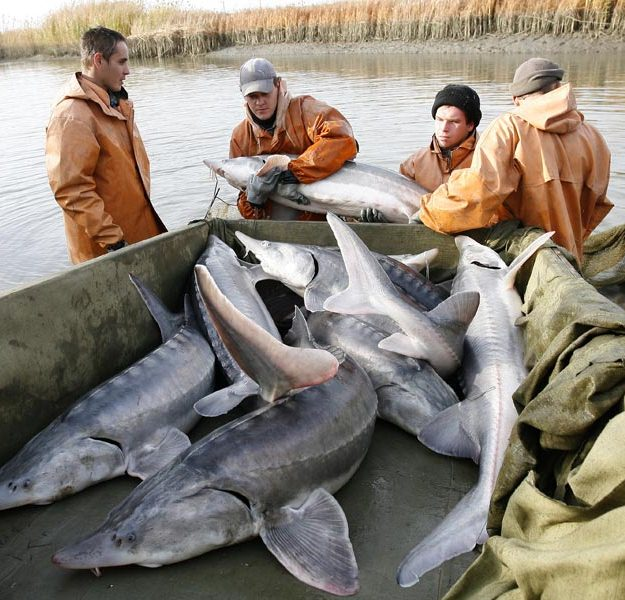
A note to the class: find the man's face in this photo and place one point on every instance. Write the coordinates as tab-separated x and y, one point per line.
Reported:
111	73
451	127
263	105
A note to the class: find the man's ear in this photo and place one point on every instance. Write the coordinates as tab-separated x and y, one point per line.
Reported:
516	100
97	60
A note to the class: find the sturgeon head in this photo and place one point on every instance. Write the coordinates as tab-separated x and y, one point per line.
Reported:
236	171
292	264
168	518
57	463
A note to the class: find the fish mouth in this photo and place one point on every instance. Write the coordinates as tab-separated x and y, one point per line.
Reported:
215	166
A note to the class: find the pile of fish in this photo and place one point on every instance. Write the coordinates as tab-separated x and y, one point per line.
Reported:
370	337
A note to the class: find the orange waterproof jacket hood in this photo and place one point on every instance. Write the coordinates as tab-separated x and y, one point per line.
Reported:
540	163
429	167
98	171
317	133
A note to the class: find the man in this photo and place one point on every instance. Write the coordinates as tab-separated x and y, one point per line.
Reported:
97	165
279	125
456	113
539	163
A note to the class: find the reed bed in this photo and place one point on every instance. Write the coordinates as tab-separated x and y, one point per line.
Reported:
168	30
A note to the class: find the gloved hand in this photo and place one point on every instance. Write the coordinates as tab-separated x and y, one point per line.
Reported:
415	219
372	215
275	161
116	246
260	187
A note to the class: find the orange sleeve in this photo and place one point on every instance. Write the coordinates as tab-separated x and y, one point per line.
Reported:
472	197
332	139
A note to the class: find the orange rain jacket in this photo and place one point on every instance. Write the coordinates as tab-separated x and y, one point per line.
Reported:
98	171
319	134
539	163
429	167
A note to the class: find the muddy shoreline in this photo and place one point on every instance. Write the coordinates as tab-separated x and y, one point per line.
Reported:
493	43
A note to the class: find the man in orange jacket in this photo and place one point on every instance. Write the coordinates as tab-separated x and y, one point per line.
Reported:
97	165
456	113
539	163
279	125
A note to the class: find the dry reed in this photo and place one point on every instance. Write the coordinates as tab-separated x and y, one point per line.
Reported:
168	30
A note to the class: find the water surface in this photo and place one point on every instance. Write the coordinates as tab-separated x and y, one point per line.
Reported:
186	109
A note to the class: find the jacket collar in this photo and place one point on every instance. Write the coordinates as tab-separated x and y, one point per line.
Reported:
81	88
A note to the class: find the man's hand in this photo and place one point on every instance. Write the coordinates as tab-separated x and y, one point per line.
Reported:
415	219
372	215
279	161
116	246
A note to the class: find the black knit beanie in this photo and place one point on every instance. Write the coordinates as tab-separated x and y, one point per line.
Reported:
462	97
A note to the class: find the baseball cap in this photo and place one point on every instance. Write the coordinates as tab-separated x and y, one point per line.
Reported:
257	75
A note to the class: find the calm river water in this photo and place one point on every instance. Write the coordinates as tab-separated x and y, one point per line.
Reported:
187	108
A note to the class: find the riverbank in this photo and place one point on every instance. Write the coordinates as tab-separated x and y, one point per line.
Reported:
491	43
453	26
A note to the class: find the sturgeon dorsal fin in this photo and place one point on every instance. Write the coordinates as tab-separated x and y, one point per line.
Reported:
519	261
368	282
312	542
168	322
276	367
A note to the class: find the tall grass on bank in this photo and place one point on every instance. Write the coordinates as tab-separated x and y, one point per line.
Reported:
168	30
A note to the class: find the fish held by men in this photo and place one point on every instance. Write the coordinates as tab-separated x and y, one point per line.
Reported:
243	480
478	427
135	422
353	187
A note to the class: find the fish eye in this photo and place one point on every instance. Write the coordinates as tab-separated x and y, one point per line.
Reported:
131	537
26	483
265	244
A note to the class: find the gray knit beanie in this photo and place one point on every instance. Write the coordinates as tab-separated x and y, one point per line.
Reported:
462	97
533	75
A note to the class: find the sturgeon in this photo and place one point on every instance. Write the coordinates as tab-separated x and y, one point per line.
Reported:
410	393
269	473
353	187
135	422
480	426
318	272
236	280
436	336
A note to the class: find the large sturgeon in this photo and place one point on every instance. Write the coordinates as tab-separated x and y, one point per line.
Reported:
318	272
269	473
478	427
237	282
436	336
353	187
410	393
135	422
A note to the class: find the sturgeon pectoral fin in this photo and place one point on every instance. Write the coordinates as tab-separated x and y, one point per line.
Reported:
312	543
156	452
225	399
449	432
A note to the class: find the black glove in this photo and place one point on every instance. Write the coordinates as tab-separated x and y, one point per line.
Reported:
116	246
372	215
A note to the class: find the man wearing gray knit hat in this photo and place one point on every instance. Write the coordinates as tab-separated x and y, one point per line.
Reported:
540	164
456	113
